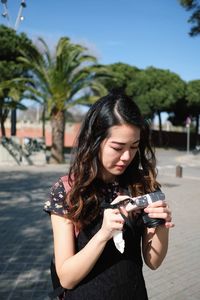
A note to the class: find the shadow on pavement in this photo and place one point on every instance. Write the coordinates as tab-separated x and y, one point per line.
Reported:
26	238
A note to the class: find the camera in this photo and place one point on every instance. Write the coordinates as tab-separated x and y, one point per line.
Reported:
136	203
140	202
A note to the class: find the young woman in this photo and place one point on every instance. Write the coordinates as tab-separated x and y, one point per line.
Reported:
113	158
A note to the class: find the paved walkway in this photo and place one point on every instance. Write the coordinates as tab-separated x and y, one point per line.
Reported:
26	239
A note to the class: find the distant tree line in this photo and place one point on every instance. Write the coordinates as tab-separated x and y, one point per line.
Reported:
70	75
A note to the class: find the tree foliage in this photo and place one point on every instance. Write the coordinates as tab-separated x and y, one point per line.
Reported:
122	75
187	106
193	94
156	90
193	102
11	93
62	80
194	7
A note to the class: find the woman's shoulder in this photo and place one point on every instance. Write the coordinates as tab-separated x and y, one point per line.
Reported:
56	202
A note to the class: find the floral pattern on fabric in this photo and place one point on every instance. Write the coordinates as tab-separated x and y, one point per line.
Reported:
56	202
110	191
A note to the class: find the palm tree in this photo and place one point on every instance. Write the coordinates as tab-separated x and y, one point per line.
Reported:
63	80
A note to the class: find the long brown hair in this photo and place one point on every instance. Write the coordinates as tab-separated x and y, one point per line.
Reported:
140	175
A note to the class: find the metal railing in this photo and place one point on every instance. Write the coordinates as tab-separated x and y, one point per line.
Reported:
23	152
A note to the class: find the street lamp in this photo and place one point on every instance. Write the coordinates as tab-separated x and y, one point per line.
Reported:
19	16
5	13
188	123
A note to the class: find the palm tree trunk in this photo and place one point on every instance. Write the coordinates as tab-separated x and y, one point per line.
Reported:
58	128
3	116
3	132
13	131
43	122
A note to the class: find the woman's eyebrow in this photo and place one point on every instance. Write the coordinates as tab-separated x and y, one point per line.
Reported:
119	143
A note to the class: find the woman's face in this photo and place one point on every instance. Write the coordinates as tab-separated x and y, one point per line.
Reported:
118	150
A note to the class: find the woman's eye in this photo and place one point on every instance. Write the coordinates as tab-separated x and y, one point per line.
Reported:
116	149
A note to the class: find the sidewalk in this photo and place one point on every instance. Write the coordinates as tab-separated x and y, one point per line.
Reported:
26	238
178	278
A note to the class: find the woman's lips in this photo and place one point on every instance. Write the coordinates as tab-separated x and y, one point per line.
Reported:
121	167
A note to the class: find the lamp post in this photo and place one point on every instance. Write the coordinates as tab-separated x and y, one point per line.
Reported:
5	13
188	122
20	16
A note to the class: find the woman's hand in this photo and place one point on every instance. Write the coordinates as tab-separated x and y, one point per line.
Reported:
112	221
160	210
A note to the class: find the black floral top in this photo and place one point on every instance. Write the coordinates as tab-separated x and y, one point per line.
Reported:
56	202
115	276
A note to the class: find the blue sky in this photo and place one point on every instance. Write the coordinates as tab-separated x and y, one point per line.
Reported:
141	33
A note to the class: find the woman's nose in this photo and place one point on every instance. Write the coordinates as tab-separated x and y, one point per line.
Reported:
125	156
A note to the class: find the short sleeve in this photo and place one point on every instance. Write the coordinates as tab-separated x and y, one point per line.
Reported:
56	202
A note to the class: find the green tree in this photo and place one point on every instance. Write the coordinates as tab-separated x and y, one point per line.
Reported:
63	80
121	76
194	7
193	100
156	91
179	112
10	68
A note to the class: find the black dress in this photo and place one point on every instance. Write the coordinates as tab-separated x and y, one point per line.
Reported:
115	276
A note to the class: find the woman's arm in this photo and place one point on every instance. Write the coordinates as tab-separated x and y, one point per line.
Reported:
72	267
155	240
